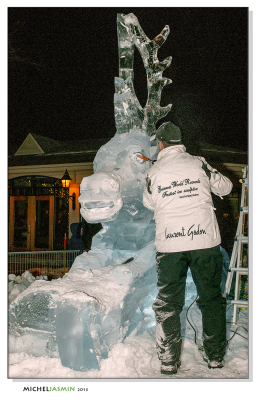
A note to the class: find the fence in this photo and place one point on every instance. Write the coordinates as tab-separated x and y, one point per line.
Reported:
54	264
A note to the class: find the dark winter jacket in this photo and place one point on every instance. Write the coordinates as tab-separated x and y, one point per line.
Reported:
76	242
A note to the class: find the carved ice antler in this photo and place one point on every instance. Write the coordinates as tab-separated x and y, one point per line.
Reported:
128	111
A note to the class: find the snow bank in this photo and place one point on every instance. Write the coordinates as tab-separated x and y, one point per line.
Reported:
17	284
136	356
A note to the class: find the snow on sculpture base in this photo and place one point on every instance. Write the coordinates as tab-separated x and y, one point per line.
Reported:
83	315
89	309
34	342
136	358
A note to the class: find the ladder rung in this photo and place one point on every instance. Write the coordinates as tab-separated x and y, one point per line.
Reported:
242	239
244	270
244	209
240	303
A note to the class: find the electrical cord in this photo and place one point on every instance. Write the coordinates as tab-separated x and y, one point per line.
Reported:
228	322
232	335
240	335
235	332
229	308
188	319
244	328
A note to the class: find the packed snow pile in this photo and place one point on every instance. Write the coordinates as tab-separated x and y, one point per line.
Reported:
17	284
136	357
82	316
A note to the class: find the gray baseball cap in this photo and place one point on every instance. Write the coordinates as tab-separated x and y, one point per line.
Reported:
168	132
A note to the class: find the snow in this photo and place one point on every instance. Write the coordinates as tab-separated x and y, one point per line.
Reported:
17	284
136	356
132	368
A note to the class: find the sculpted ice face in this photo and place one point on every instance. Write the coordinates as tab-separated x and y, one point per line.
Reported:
113	195
118	180
100	197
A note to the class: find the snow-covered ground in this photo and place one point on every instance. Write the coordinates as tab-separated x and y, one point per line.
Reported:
135	364
136	357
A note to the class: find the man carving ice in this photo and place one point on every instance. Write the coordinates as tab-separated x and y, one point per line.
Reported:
187	235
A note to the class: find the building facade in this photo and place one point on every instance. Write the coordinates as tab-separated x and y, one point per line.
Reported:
41	210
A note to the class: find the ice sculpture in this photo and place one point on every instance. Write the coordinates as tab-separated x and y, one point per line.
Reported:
98	303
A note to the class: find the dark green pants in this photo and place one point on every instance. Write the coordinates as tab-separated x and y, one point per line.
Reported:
206	269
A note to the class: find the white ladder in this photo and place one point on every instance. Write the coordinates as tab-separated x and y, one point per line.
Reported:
237	260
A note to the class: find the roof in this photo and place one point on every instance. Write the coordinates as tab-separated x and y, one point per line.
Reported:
40	150
36	144
222	154
42	159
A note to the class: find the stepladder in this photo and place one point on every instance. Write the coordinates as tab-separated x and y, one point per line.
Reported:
237	279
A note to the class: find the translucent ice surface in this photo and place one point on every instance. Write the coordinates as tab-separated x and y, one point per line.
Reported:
79	332
110	289
115	190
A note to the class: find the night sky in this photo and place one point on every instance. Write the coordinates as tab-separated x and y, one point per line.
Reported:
63	61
